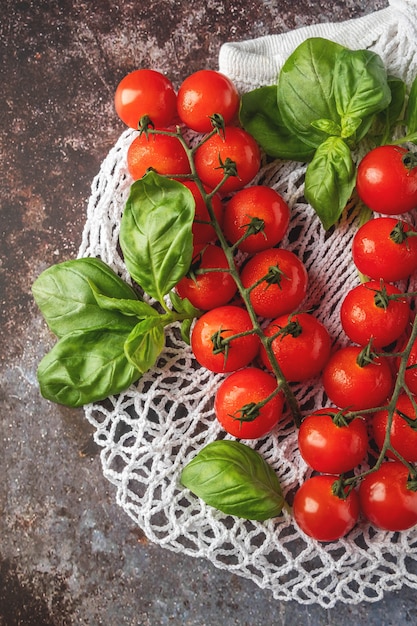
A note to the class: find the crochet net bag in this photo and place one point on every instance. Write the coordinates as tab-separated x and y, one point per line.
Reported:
151	431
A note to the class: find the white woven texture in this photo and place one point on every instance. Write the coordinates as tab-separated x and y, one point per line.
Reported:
148	433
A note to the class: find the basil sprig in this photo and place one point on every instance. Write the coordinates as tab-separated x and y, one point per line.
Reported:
327	99
235	479
107	335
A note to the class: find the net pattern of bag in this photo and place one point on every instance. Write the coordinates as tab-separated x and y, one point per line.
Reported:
148	433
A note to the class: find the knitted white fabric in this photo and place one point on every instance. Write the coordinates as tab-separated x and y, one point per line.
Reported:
148	433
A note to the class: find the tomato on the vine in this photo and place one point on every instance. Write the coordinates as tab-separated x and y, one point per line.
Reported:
214	155
145	92
330	443
208	289
385	247
388	497
323	513
403	430
259	210
203	94
202	229
163	153
212	342
277	279
387	180
374	310
239	403
354	380
293	336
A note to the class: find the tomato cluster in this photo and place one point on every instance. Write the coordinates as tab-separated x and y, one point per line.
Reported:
251	290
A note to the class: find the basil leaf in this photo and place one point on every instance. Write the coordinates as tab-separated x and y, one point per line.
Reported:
360	86
411	111
259	115
145	343
234	479
136	308
86	367
329	180
386	120
64	295
305	89
155	233
183	305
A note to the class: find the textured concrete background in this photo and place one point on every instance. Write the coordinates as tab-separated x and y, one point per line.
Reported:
68	554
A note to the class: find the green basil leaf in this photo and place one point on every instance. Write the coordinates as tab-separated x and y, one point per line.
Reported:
360	86
329	180
259	115
183	305
234	479
64	295
145	343
386	120
186	331
411	111
155	233
327	126
305	89
86	367
135	308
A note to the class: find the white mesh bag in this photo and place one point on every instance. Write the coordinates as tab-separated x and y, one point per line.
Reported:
148	433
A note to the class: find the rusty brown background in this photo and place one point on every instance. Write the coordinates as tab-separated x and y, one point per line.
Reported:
68	554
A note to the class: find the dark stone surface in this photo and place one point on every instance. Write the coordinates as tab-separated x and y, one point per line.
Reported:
68	553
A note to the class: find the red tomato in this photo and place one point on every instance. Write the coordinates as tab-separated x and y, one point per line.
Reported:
381	248
236	145
403	433
203	94
207	290
385	499
301	350
322	514
285	284
352	385
163	153
330	444
203	230
369	311
261	208
237	399
213	328
145	92
387	180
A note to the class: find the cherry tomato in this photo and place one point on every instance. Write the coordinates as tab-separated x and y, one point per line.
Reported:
203	94
403	433
330	444
203	231
301	349
387	180
237	399
385	499
285	284
385	247
236	145
213	328
369	310
145	92
163	153
207	290
355	385
321	513
264	210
